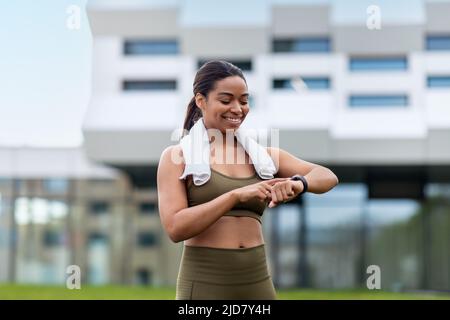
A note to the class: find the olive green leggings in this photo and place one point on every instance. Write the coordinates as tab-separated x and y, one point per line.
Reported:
224	274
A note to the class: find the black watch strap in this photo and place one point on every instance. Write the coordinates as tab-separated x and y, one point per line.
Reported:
301	178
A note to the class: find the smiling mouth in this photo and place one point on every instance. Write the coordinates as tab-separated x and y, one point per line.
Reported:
233	120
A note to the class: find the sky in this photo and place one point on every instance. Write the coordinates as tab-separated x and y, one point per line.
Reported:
45	67
44	73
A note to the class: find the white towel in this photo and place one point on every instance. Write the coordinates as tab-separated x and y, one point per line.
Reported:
196	151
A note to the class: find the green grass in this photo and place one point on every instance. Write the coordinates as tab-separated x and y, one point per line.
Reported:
26	292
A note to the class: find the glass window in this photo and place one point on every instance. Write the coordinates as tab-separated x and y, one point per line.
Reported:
441	42
378	100
333	235
244	65
52	238
56	185
99	207
303	45
378	63
98	258
394	234
149	85
97	237
150	47
438	82
146	239
312	83
147	208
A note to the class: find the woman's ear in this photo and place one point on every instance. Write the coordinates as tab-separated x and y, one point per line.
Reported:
200	101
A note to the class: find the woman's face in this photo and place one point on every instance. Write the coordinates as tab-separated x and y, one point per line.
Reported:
226	106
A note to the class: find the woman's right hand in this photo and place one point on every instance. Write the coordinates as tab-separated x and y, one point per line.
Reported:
261	190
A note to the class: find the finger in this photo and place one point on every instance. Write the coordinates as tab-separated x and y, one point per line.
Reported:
272	204
279	195
285	195
266	189
290	192
273	181
266	186
274	196
262	195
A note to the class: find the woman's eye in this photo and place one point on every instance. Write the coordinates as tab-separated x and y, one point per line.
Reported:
244	102
225	102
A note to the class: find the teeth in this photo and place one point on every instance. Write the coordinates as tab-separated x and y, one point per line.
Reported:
234	119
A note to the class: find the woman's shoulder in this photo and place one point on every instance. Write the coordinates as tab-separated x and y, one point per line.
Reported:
173	156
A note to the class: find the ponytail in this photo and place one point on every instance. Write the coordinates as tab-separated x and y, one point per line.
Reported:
193	113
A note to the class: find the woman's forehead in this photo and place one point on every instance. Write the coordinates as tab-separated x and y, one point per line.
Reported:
234	85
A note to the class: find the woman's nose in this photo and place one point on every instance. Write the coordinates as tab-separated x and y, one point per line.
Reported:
236	108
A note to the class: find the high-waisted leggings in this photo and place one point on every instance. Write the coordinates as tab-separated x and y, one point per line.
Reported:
207	273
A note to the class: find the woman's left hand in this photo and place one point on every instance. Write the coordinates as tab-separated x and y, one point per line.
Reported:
285	191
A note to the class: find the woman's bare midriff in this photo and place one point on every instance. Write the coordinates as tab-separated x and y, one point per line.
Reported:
230	232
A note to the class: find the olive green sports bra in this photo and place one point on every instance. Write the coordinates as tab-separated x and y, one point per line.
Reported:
219	184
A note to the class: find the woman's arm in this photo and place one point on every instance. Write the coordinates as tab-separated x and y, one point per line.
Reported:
320	179
180	221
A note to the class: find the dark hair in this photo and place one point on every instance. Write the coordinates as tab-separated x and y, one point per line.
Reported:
204	82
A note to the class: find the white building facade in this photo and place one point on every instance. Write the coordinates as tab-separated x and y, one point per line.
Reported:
371	104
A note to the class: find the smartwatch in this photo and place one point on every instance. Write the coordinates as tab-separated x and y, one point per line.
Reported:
301	178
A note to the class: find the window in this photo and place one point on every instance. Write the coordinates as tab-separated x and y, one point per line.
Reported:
244	65
99	207
147	208
52	238
378	100
97	237
311	83
378	64
56	185
319	44
150	47
441	42
149	85
146	239
438	82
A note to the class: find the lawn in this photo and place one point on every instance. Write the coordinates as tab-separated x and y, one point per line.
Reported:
8	291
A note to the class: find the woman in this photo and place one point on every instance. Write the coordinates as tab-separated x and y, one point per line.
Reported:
220	221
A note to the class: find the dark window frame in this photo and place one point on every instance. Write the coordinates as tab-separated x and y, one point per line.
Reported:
309	44
437	42
95	205
438	81
136	47
369	63
150	85
402	98
280	83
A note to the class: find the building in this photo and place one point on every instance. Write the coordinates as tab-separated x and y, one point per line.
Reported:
371	104
58	209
